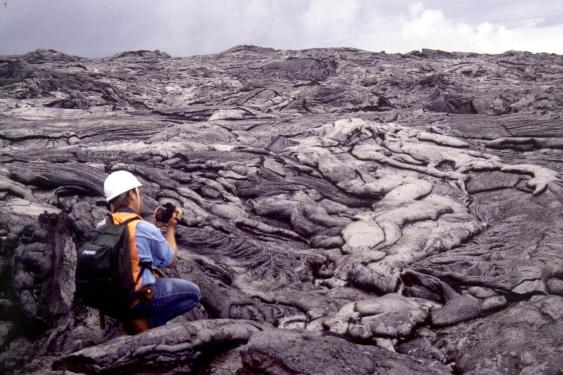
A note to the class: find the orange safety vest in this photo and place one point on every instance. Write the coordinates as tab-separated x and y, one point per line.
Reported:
118	218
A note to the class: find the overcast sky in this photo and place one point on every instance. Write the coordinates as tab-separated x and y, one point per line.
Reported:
96	28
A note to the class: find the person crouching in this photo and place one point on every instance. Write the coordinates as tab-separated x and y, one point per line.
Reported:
160	298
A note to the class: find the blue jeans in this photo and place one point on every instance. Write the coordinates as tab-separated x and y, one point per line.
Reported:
172	297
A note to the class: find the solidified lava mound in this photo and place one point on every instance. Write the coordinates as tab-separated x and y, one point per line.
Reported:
346	211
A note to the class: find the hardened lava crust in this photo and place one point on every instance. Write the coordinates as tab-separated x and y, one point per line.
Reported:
346	212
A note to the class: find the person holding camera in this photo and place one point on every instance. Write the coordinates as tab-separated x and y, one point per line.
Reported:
159	298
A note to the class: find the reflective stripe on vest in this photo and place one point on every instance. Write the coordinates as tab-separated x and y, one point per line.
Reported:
118	218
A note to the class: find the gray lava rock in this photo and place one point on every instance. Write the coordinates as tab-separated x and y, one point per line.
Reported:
172	346
5	330
457	310
6	309
298	352
313	182
555	286
522	338
493	303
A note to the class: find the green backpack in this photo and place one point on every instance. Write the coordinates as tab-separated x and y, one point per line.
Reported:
103	270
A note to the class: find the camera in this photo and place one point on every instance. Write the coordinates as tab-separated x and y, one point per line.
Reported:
164	213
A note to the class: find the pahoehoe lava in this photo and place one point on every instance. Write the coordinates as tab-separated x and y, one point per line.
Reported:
346	211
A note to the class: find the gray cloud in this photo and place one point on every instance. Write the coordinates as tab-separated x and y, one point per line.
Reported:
187	27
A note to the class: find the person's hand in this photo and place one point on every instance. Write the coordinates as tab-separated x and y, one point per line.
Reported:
176	217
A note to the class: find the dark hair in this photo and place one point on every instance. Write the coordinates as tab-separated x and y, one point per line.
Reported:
120	201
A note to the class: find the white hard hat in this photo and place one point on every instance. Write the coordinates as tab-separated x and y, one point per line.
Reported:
119	182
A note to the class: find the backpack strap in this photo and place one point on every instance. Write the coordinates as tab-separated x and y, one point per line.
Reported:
130	220
142	266
133	218
102	319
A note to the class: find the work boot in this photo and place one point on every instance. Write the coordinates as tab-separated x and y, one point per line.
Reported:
137	325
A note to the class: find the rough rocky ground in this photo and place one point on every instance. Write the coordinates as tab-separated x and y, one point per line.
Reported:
346	211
